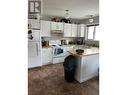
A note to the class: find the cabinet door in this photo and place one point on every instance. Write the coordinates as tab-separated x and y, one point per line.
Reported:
43	56
67	30
60	26
81	30
54	25
45	29
34	23
74	30
91	65
49	55
46	56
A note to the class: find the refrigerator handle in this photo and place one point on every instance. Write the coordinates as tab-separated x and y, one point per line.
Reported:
37	48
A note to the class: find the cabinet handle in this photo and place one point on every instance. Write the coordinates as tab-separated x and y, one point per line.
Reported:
37	48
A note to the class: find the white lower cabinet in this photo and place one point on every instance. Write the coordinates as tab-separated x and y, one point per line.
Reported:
91	64
46	56
87	67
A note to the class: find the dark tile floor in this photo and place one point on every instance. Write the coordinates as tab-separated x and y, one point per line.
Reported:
49	80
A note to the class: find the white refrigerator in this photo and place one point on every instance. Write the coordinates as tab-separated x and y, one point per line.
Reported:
34	49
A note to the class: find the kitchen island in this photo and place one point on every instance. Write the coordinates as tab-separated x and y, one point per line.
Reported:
87	64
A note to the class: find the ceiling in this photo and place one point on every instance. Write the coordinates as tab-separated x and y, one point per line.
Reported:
78	9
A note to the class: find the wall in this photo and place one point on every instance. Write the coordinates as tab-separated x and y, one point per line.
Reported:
86	21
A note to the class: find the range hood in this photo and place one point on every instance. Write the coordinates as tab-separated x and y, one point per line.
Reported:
57	31
57	27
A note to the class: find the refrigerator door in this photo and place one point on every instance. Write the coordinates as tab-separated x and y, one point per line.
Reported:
35	36
34	54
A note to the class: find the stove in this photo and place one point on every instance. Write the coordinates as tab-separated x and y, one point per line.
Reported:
59	51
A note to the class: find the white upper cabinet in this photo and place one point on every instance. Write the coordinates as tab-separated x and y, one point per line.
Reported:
53	25
81	30
45	28
67	30
60	26
56	26
34	23
70	30
74	30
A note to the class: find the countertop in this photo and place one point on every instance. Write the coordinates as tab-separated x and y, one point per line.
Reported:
46	46
75	46
87	52
51	46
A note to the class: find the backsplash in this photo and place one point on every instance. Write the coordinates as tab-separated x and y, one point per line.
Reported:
71	39
58	38
92	43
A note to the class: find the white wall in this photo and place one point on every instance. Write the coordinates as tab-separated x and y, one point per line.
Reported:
86	21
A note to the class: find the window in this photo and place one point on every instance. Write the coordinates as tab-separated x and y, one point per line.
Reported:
93	32
97	31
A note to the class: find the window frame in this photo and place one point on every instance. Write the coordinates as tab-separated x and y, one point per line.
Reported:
94	32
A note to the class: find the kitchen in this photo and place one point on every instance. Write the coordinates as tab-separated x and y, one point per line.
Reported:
22	70
53	35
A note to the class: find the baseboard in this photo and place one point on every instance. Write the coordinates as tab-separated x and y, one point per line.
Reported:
80	80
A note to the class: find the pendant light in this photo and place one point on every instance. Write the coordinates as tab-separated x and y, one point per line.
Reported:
91	19
67	16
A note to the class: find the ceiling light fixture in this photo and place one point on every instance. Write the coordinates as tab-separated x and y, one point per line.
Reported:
91	19
67	14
